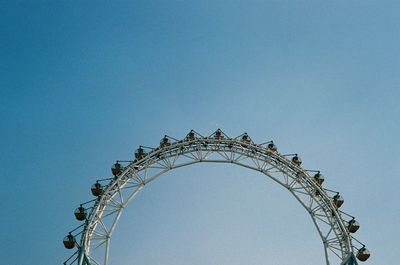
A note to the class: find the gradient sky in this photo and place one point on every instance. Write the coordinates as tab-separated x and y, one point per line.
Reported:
85	83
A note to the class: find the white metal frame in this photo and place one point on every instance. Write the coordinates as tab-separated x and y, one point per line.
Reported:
120	191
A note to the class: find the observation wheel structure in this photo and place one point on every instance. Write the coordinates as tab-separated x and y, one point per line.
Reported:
91	240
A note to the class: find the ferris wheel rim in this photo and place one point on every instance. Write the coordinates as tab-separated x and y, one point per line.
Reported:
202	144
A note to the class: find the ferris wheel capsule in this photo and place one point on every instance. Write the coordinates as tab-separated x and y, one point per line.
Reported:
190	136
353	226
363	254
69	241
80	213
319	178
116	169
296	160
139	154
164	142
218	135
97	189
245	140
338	200
272	147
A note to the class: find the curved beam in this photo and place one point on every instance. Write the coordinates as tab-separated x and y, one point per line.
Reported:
108	208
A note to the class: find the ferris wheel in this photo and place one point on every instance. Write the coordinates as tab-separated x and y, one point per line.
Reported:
91	240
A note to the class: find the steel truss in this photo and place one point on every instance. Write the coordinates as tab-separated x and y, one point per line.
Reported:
121	190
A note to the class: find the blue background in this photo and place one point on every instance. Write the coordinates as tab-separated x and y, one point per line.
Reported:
85	83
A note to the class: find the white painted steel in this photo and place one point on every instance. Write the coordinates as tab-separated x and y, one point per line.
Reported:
120	191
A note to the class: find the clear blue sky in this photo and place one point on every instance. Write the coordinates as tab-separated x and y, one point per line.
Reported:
83	84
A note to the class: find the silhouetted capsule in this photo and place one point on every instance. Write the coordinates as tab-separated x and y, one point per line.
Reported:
97	189
363	254
338	200
164	142
139	154
353	226
218	135
296	160
245	140
319	178
272	147
80	213
190	136
69	241
116	169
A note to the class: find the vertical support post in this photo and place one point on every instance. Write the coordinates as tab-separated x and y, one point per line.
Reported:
107	250
81	255
326	252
